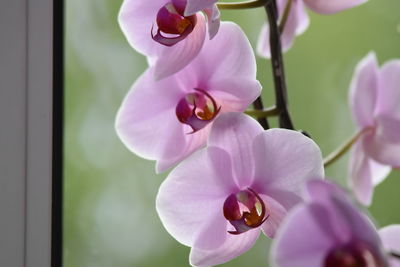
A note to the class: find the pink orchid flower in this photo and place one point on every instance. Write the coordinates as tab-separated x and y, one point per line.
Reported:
162	31
390	236
327	231
169	119
375	102
298	20
219	200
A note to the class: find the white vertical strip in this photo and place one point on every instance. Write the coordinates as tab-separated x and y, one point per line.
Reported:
39	141
12	131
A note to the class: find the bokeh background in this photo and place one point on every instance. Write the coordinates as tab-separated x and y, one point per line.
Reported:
109	201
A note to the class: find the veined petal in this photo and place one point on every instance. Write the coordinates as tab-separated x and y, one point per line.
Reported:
301	240
390	236
233	246
384	144
213	20
234	133
136	18
285	160
330	7
389	90
364	91
191	199
172	59
276	213
228	55
194	6
150	105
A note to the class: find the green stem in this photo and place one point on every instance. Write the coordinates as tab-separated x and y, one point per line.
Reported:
268	112
243	5
285	15
338	153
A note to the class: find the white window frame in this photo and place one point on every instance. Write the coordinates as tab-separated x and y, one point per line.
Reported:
26	132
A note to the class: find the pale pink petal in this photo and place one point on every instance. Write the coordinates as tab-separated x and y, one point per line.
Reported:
389	91
235	94
276	213
384	144
148	112
390	236
190	201
136	18
194	6
233	246
234	133
213	20
301	239
172	59
228	55
363	91
330	7
296	24
285	160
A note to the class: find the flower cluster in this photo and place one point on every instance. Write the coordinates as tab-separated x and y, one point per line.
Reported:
233	177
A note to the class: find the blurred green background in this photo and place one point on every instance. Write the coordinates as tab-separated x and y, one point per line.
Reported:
109	202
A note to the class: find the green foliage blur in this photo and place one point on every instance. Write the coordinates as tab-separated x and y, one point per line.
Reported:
109	201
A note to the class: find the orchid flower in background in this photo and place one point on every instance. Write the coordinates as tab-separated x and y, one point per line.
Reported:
328	231
169	119
390	236
375	102
297	20
218	200
162	31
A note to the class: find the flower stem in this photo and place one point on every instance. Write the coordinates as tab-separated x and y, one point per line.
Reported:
263	113
338	153
243	5
285	15
277	66
259	106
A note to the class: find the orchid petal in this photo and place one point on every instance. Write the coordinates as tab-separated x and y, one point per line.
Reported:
276	213
192	198
285	159
172	59
234	133
390	236
301	240
389	93
330	7
194	6
213	20
384	145
233	246
363	90
229	54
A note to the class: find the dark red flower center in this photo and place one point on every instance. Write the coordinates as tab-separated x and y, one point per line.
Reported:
245	210
197	109
172	25
354	254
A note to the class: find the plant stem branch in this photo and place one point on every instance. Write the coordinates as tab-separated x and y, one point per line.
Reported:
338	153
243	5
395	255
277	66
285	15
258	105
264	113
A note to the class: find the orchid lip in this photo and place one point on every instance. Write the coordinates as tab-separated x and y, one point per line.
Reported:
197	109
172	25
244	210
353	254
